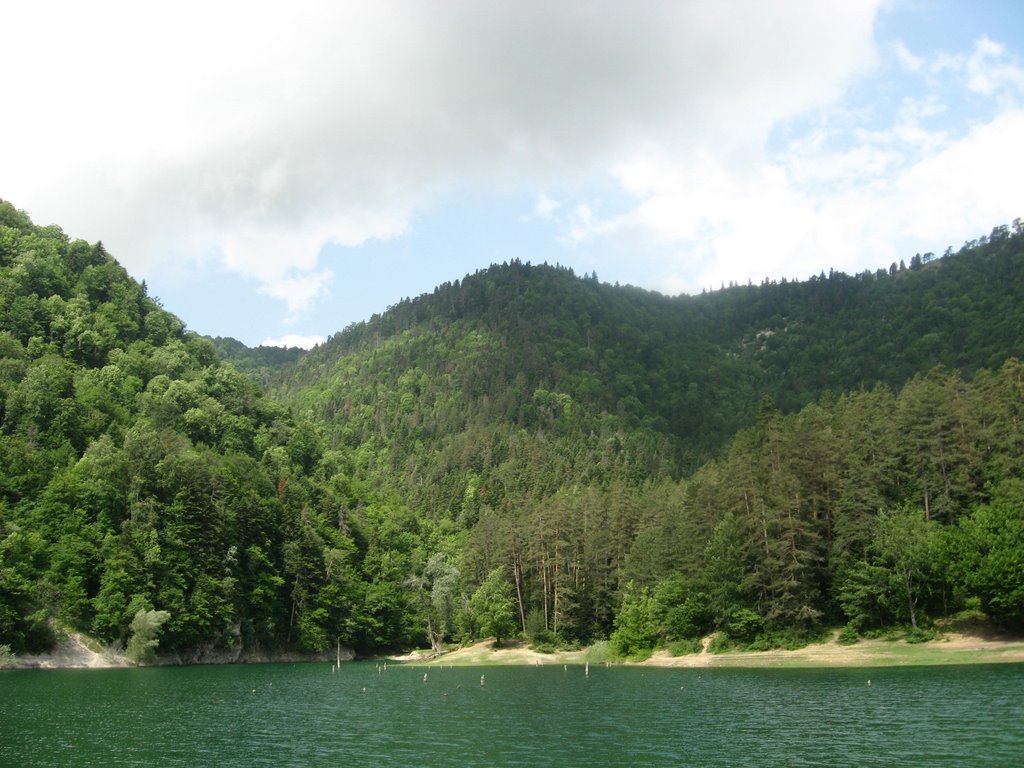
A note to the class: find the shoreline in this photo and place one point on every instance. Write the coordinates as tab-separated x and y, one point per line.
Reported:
74	652
951	648
77	651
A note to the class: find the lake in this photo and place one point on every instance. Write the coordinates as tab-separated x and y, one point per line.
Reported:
303	715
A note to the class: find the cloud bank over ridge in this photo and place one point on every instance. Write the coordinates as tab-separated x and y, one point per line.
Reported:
729	140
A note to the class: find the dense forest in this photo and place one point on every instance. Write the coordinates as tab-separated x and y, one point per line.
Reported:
521	451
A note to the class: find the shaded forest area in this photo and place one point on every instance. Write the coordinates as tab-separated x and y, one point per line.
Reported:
522	450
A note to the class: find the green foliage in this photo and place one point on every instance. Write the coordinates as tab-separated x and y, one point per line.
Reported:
681	612
445	602
262	364
744	625
511	451
686	647
721	643
145	627
636	629
23	617
138	471
789	639
493	608
903	544
848	635
988	554
921	635
598	653
860	591
541	638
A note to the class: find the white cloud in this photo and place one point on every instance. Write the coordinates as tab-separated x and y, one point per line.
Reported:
989	69
991	72
297	292
836	195
975	183
785	221
260	133
582	226
908	60
545	207
292	340
255	135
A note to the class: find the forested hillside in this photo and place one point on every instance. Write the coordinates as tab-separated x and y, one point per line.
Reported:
524	353
141	474
259	363
520	450
693	368
524	409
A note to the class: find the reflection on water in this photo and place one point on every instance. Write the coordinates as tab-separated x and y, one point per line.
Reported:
303	715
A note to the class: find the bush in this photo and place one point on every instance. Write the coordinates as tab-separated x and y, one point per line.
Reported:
970	619
550	642
721	643
638	654
848	636
685	647
889	634
679	610
744	625
145	627
598	653
921	635
537	633
636	634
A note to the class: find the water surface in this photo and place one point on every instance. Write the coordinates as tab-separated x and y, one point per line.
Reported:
303	715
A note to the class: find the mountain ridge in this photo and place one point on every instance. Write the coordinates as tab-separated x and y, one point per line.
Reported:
676	361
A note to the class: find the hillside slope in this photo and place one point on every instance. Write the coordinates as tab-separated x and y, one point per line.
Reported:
534	349
139	474
523	450
560	431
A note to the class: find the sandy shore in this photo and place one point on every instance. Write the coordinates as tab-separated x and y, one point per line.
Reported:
74	652
952	648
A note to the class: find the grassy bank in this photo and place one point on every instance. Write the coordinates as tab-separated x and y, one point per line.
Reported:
948	649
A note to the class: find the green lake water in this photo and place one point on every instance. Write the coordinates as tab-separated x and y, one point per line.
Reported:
303	715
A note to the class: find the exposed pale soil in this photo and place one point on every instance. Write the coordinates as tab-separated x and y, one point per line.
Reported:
72	652
75	651
952	648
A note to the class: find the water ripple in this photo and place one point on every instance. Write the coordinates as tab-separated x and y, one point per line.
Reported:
303	715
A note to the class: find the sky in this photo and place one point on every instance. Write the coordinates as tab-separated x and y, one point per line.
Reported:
278	171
